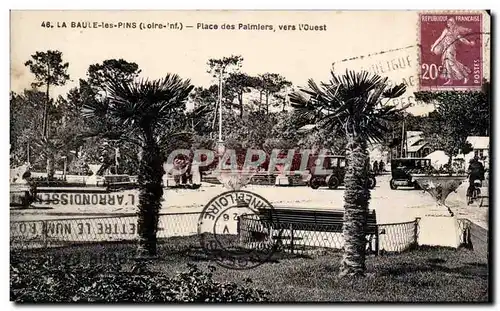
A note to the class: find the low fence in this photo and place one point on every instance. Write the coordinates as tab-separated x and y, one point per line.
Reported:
28	234
478	239
392	238
398	237
395	237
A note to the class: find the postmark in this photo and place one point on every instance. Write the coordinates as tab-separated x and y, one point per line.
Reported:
451	51
399	65
232	232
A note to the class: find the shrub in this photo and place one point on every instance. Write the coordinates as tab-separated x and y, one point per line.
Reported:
45	279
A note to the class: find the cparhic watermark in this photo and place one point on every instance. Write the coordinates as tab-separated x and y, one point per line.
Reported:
279	161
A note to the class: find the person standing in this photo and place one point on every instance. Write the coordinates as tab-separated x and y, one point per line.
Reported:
381	166
476	172
195	173
375	167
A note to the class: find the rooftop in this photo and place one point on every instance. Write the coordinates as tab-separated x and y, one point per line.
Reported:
413	133
415	148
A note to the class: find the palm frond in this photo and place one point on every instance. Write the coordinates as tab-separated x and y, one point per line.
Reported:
146	102
94	108
299	101
395	91
351	101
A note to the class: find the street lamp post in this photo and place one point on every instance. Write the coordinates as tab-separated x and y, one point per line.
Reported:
403	139
220	143
220	105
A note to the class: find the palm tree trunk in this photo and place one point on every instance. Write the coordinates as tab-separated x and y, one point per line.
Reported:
150	193
356	197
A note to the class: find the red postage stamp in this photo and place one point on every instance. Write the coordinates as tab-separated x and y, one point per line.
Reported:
450	51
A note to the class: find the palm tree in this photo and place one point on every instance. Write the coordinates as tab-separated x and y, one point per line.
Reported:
50	148
352	105
148	114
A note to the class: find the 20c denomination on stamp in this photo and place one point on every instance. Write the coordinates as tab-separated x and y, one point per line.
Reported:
222	222
451	55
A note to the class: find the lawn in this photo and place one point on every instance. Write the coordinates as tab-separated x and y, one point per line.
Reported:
421	275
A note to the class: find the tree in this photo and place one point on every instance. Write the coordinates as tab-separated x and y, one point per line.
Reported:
208	99
458	115
271	84
49	70
26	121
111	70
352	105
201	96
76	133
239	84
49	148
148	114
319	138
220	68
251	131
223	66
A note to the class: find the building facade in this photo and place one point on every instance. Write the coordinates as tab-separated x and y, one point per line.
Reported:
416	145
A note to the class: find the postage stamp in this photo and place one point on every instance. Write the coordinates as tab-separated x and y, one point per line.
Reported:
451	53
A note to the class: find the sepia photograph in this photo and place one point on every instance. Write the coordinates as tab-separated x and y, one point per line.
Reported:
269	156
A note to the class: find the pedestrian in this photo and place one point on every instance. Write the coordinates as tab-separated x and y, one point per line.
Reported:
177	169
375	167
476	172
184	169
195	173
381	166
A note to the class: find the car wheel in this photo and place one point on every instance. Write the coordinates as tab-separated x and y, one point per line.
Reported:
416	186
315	182
372	182
333	182
393	185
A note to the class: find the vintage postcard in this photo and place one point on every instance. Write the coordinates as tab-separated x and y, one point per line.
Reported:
250	156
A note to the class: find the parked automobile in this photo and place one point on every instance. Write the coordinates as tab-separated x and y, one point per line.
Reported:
337	164
403	168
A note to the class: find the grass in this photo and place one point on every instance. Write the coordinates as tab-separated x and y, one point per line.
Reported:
421	275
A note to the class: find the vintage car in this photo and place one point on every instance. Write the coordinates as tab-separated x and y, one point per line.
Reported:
403	168
337	164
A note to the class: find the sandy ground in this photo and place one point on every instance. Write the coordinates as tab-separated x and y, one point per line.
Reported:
392	206
80	216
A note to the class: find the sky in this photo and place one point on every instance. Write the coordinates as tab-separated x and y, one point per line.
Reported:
367	38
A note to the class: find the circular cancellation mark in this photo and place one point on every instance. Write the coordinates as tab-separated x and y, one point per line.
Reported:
236	229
